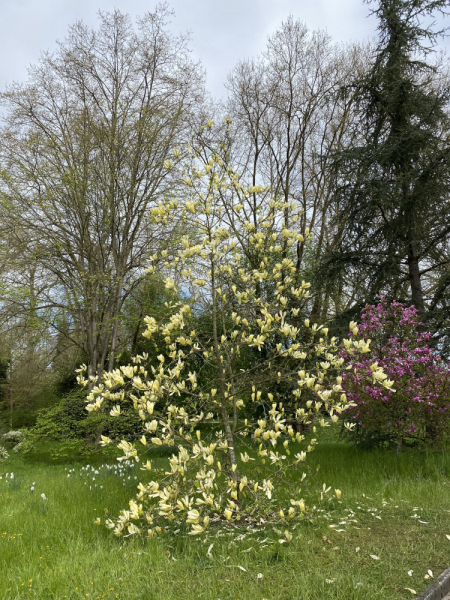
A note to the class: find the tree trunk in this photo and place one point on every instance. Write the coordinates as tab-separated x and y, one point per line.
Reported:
414	278
116	309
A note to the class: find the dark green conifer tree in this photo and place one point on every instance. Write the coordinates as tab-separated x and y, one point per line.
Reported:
392	187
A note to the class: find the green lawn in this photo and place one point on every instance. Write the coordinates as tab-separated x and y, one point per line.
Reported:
396	509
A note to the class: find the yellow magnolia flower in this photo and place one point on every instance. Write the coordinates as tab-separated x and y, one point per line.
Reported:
288	536
193	516
196	530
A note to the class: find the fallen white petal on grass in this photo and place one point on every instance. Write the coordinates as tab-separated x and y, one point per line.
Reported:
374	557
411	590
330	580
259	576
357	549
209	551
410	572
430	573
424	522
447	536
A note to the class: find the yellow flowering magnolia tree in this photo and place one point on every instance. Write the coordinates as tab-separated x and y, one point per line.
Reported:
240	273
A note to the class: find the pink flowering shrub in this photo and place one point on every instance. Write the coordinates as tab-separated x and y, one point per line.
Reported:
418	411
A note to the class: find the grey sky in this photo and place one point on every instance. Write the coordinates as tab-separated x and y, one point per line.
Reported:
223	32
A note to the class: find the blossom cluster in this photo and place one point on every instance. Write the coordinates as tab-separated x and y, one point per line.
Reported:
14	439
419	408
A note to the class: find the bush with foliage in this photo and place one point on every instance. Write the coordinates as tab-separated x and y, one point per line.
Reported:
242	274
75	430
417	409
13	440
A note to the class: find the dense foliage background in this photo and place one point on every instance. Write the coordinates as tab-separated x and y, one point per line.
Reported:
357	138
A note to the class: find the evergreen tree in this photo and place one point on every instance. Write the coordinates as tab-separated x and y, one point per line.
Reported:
392	187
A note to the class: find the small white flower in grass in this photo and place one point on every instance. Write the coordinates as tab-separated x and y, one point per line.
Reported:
357	549
32	488
330	580
259	576
43	496
410	572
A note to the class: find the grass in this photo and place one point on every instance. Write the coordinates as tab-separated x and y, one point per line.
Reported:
51	549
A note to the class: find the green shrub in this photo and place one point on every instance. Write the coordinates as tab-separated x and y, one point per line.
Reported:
75	430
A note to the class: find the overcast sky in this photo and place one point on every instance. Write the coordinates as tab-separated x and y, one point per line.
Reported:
223	31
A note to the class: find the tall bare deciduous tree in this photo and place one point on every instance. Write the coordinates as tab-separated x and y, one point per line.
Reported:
85	153
289	118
